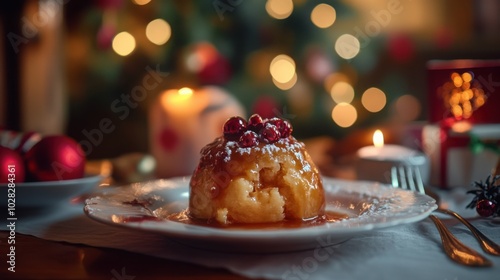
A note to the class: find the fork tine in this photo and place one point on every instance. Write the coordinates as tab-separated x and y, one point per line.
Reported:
407	178
402	176
411	178
394	177
419	181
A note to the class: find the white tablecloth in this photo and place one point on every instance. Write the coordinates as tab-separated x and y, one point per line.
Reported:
410	251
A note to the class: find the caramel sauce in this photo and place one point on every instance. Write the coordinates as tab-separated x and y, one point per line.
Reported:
328	217
221	156
136	219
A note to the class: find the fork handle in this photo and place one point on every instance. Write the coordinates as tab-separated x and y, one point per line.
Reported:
487	244
456	250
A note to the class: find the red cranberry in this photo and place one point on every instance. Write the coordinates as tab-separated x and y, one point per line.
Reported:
255	123
270	133
248	139
284	127
485	208
234	128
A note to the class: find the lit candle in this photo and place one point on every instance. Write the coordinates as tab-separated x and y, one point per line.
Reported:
374	162
182	121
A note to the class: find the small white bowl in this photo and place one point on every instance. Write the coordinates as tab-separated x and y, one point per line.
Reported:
47	194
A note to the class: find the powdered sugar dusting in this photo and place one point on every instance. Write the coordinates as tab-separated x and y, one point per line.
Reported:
281	146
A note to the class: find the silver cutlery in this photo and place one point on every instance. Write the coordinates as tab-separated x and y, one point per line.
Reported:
409	178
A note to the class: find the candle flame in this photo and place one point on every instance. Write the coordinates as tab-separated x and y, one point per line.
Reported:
185	91
378	138
174	98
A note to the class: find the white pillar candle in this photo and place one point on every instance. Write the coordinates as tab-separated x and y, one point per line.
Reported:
374	163
182	121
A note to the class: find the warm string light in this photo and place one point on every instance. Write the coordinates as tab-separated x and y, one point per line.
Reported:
141	2
342	92
279	9
323	15
344	114
334	78
282	69
373	99
288	85
462	94
347	46
123	43
158	31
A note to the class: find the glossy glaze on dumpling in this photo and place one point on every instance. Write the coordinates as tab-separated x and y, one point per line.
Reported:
263	183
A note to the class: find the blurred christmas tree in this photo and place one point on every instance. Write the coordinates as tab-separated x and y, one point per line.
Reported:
307	61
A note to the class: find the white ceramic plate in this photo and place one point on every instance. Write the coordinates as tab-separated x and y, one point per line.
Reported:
368	205
48	194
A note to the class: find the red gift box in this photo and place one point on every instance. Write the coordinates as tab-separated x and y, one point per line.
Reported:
461	153
463	109
476	77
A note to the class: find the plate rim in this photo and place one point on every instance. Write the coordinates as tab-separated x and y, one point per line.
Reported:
50	194
41	184
259	234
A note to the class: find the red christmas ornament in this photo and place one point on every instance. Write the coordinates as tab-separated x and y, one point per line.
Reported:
215	72
485	208
55	158
401	48
265	106
12	166
19	141
210	66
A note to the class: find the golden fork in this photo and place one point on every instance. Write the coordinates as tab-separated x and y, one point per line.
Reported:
409	178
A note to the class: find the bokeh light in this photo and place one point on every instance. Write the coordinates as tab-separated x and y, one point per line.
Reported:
158	31
462	94
457	79
334	78
344	114
467	77
342	92
279	9
123	43
347	46
288	85
373	99
141	2
323	15
408	108
282	68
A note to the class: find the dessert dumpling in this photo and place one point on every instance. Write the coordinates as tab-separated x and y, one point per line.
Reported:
256	173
